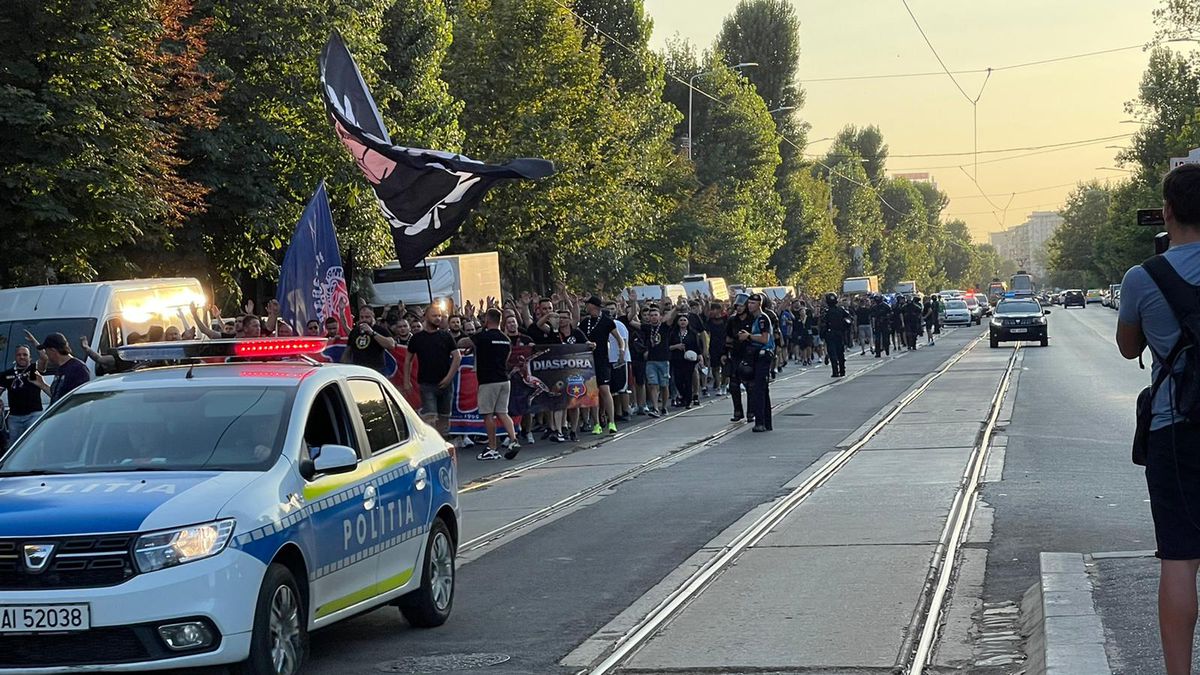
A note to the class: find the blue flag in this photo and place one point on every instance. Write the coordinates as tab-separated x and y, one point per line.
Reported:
312	284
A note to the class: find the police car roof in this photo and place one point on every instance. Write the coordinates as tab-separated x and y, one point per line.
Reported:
240	374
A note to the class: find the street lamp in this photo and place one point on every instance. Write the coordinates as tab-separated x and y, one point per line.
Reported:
1113	168
781	109
692	89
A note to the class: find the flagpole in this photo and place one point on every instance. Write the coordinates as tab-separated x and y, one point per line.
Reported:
428	283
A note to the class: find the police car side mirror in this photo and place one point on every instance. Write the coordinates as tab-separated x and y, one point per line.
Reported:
1045	311
332	459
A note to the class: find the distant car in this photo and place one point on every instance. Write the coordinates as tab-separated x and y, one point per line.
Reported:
984	303
1074	298
956	312
974	307
1019	319
1094	295
1116	301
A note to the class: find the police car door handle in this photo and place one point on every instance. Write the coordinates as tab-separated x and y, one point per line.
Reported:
420	479
369	497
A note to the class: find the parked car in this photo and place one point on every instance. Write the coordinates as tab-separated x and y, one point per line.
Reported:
982	298
1094	295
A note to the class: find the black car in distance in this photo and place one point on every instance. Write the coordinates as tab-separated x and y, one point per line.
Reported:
1074	298
1019	319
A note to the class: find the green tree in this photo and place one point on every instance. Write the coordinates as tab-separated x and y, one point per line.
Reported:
533	85
865	145
1072	249
957	256
910	254
1120	242
91	110
1168	99
275	142
812	257
767	32
415	36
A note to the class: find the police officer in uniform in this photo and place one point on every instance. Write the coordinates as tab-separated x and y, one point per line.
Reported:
834	324
881	317
760	347
735	351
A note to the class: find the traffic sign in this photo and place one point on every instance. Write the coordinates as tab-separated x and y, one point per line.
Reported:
1193	157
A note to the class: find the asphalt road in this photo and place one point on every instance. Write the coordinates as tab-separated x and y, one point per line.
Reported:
526	603
533	599
1068	482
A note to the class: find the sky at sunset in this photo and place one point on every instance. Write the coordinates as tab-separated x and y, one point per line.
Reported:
1072	100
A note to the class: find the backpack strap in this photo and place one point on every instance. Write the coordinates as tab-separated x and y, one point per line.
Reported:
1182	298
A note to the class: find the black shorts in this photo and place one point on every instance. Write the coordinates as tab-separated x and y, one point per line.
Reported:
603	371
618	380
639	373
1173	479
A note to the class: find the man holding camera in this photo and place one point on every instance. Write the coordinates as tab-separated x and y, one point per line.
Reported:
1172	462
24	396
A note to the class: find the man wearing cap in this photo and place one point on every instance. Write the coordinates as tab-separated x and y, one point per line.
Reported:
69	372
598	326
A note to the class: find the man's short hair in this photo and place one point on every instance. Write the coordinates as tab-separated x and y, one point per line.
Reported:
1181	190
493	315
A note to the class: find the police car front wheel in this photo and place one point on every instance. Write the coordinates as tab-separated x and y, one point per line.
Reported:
430	605
279	644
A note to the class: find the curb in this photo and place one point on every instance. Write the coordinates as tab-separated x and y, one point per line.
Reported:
1065	635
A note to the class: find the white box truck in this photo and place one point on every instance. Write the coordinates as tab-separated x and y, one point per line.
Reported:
468	277
906	288
713	287
860	285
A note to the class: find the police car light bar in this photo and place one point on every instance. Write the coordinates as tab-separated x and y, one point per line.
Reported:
182	350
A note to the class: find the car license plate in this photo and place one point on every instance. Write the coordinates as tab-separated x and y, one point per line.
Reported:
43	618
1019	330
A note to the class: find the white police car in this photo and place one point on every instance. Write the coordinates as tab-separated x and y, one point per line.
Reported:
215	513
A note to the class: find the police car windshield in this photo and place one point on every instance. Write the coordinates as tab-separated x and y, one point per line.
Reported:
1022	307
173	429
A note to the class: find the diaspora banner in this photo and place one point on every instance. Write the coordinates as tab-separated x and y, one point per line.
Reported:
543	378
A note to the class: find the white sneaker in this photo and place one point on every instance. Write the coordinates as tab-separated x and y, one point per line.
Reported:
467	442
529	438
489	454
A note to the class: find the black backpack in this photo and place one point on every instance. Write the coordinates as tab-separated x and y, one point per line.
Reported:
1184	301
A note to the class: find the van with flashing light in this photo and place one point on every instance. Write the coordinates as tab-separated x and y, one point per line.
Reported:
105	312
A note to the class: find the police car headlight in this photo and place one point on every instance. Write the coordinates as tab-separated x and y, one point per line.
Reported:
158	550
997	322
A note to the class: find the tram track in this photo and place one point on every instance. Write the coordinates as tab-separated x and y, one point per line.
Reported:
921	638
581	496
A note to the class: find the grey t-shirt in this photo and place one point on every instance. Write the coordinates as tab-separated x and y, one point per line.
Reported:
1142	302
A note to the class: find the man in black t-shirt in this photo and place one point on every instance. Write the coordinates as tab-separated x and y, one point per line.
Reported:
491	349
655	336
24	397
367	341
437	359
597	326
69	372
863	315
735	353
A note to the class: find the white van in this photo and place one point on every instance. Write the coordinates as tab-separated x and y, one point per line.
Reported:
104	311
657	292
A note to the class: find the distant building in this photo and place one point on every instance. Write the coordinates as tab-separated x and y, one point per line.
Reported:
917	177
1025	244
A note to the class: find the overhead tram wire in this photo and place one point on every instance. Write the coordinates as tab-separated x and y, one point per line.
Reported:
1060	148
1017	149
972	71
700	91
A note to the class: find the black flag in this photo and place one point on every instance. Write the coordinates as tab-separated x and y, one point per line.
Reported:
424	194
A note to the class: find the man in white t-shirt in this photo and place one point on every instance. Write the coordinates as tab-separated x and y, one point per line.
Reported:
620	367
